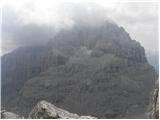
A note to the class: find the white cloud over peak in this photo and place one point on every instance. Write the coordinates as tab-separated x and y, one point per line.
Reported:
140	19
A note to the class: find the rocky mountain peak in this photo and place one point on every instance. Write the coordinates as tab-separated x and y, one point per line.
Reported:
98	71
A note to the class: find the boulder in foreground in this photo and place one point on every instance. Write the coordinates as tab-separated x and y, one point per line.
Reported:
46	110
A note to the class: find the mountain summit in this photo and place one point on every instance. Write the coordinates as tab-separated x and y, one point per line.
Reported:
88	70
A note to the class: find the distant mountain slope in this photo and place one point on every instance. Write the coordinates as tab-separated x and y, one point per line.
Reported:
153	59
101	71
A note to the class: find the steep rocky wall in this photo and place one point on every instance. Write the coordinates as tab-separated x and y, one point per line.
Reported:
154	103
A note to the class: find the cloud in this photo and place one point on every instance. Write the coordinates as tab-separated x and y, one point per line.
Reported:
141	21
29	22
16	34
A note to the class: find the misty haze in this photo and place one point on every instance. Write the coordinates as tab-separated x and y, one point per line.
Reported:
83	59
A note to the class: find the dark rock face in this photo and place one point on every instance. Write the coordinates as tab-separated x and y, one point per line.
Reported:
22	64
101	72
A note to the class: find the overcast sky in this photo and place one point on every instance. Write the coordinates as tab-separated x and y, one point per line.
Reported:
33	22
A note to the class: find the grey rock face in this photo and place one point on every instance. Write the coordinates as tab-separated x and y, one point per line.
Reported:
105	74
45	110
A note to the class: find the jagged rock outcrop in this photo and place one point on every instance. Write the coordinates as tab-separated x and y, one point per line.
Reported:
154	104
104	74
45	110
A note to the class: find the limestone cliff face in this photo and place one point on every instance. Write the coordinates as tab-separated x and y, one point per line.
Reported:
105	74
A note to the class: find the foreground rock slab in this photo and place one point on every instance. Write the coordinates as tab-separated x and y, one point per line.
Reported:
10	115
46	110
